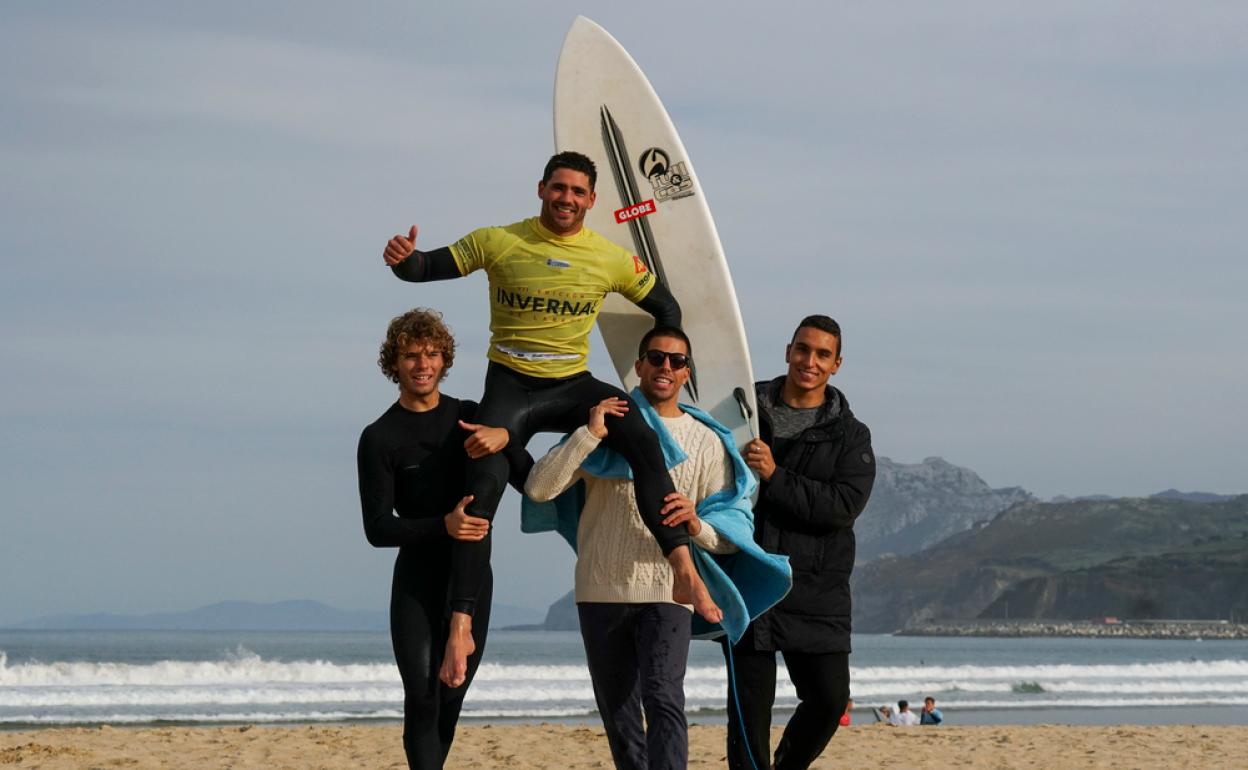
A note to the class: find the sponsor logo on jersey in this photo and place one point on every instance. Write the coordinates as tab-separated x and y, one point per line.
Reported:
552	262
645	208
670	181
550	305
638	265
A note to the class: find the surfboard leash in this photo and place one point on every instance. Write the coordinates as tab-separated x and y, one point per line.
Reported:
736	701
732	684
747	412
743	403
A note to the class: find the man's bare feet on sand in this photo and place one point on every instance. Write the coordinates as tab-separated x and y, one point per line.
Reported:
459	645
688	588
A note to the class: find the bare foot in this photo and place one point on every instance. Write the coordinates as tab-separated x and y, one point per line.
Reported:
459	645
688	588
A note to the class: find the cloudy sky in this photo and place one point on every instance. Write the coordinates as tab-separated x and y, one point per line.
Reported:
1029	219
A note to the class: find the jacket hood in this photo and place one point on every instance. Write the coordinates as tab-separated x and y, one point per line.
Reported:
834	405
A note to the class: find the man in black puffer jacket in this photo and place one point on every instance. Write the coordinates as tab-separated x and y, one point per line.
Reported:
816	466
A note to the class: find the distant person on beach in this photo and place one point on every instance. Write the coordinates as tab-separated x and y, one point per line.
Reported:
636	638
548	276
816	469
411	462
903	716
930	715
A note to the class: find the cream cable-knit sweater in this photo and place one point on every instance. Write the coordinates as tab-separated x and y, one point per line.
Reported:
618	559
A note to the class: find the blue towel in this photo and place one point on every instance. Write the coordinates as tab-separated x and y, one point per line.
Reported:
744	584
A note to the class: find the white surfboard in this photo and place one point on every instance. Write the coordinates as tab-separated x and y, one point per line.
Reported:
651	202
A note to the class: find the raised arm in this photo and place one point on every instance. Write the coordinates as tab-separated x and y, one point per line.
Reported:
418	266
558	470
662	305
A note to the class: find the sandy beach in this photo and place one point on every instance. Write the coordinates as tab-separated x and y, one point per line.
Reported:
570	746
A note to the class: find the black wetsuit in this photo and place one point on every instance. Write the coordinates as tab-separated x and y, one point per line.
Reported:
525	405
413	464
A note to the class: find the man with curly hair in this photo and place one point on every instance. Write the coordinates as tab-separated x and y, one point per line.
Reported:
411	462
548	276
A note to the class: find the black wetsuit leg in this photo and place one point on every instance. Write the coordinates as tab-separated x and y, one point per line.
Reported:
418	631
526	405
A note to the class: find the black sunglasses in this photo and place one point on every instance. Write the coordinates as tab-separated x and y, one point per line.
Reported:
656	358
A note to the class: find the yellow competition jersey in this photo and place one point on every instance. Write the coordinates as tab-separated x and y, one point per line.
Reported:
546	291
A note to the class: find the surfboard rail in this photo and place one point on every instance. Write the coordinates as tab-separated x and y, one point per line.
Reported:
650	201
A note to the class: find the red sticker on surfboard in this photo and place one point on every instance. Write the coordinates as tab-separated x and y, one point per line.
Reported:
645	208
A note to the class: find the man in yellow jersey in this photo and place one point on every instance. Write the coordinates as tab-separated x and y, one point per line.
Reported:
548	276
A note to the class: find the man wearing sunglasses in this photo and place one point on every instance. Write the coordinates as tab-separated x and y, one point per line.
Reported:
636	637
816	470
548	276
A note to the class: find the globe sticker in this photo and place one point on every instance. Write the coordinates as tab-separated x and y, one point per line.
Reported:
645	208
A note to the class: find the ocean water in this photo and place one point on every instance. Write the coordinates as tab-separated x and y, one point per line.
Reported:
198	677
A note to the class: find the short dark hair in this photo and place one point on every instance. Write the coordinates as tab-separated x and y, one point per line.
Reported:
903	704
824	324
664	331
572	160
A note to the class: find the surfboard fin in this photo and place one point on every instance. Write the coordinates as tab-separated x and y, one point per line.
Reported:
743	403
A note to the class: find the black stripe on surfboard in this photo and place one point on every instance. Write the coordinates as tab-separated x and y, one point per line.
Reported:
626	183
639	228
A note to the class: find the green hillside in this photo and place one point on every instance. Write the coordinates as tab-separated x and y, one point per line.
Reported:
1135	557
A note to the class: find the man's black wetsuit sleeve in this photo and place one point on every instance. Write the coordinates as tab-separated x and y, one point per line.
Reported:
436	265
662	305
382	528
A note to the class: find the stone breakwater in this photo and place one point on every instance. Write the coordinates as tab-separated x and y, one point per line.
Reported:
1126	629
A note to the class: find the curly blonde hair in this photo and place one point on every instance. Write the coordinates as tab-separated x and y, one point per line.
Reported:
417	325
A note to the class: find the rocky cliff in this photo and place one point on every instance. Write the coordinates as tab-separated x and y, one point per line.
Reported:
918	505
561	616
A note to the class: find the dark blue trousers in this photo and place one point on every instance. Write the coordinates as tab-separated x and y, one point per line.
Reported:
637	655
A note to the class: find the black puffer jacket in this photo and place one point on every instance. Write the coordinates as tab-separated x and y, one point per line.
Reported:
807	512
